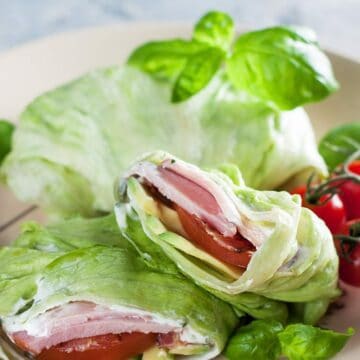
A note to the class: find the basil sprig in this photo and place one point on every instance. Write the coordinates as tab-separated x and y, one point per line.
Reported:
256	341
268	340
340	143
215	29
280	65
197	73
191	64
283	65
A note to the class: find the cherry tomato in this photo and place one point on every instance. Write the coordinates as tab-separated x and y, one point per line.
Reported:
331	211
103	347
350	193
234	251
349	267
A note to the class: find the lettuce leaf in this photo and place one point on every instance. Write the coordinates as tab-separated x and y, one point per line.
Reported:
71	234
81	260
82	135
113	277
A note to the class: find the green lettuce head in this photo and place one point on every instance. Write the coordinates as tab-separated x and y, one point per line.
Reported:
258	250
81	278
80	136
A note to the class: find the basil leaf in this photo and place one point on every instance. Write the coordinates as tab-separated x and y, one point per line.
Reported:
256	341
6	131
197	73
216	29
305	342
282	65
164	59
338	144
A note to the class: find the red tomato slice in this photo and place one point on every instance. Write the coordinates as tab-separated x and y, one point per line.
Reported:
103	347
349	269
350	193
332	211
234	251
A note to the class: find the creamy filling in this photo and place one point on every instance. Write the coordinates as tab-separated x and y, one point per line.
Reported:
202	197
85	319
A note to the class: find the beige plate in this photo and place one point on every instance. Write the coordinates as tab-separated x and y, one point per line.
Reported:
28	71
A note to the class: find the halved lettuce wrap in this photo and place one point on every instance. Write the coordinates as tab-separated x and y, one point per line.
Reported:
70	285
80	136
258	250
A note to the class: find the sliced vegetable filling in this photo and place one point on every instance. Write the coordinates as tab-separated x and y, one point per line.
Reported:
102	347
84	330
232	250
206	215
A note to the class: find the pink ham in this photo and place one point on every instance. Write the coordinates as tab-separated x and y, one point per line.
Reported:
85	319
188	187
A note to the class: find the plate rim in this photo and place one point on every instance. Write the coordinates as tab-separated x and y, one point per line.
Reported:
163	24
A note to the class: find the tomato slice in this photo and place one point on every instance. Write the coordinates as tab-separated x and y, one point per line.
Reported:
350	193
103	347
234	251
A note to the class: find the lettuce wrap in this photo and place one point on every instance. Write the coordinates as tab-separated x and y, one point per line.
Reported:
258	250
80	136
67	286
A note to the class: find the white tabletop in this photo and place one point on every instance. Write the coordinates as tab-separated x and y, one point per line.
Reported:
336	21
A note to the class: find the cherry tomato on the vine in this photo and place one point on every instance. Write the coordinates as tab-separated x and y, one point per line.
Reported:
349	254
349	193
330	210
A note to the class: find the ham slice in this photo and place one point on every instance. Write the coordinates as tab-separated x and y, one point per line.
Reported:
85	319
192	190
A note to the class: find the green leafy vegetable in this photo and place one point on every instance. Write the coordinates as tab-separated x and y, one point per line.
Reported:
165	59
88	260
283	65
267	340
256	341
84	134
192	64
71	234
6	131
280	65
216	29
304	342
338	144
197	73
271	280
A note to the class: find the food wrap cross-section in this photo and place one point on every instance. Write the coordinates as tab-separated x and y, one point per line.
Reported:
258	250
79	288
